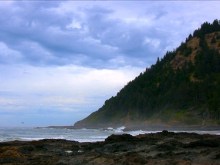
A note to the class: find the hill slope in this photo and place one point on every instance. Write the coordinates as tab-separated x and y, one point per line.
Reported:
182	88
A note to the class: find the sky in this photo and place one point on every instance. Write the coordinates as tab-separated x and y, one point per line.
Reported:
60	60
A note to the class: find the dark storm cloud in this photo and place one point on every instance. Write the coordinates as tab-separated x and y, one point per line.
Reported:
43	36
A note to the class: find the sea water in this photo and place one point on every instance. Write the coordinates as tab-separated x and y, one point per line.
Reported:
80	135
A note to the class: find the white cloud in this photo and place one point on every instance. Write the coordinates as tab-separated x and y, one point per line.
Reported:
61	87
8	55
7	101
74	25
155	43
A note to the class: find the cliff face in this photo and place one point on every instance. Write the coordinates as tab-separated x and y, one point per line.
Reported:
181	88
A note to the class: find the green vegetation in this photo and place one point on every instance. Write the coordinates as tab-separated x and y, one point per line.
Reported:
182	87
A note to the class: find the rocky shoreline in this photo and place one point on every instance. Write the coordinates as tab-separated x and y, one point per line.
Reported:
163	148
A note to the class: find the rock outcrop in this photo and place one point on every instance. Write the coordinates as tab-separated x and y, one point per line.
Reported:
162	148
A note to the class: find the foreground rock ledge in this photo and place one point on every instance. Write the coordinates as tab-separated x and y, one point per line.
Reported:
164	148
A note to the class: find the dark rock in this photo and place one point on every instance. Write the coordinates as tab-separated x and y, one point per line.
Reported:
120	138
204	143
159	149
169	146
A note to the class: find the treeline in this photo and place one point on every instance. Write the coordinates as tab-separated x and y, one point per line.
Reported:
207	28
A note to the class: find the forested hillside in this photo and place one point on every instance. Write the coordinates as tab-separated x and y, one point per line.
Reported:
181	88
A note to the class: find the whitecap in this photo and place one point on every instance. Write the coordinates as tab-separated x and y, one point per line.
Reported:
119	129
68	151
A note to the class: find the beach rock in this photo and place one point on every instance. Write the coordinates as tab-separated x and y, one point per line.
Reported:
163	148
119	138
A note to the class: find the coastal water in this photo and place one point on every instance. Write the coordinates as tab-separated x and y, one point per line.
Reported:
81	135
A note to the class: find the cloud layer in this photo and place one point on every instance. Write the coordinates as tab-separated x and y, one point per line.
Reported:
100	35
60	60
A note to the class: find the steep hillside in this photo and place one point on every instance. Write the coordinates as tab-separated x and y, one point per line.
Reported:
181	88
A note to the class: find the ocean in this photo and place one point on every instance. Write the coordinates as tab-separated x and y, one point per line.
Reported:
80	135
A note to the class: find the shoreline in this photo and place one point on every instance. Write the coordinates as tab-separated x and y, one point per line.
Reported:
155	148
147	128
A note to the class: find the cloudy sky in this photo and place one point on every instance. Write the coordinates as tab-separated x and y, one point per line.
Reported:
60	60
